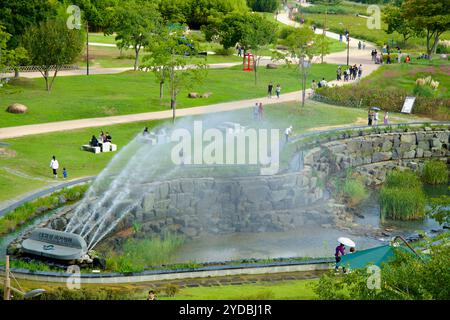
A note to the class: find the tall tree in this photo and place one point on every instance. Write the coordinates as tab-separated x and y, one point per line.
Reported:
134	22
393	17
172	57
19	15
51	45
431	18
302	47
252	31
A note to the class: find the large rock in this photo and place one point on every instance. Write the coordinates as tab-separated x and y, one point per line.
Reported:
271	66
17	108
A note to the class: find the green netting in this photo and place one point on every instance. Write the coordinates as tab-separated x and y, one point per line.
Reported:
375	256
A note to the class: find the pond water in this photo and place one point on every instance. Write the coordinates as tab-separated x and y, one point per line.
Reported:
309	241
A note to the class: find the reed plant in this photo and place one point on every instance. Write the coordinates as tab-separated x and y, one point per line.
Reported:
435	172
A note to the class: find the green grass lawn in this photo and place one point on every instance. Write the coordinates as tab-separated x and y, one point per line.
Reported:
404	76
77	97
33	153
99	37
286	290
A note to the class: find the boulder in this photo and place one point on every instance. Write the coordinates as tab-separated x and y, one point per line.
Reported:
17	108
207	95
282	47
271	66
193	95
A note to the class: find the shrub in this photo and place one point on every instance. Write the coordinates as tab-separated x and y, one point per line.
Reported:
62	293
225	52
355	191
138	254
171	290
402	197
435	172
30	210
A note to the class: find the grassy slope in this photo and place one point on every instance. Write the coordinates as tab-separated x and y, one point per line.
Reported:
284	290
33	153
77	97
404	76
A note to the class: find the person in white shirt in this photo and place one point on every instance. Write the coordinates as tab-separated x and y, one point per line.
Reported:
375	120
287	133
54	165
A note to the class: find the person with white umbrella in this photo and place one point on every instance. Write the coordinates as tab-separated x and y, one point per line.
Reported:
340	250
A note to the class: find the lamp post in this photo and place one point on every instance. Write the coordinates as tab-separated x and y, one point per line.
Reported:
87	48
348	48
9	288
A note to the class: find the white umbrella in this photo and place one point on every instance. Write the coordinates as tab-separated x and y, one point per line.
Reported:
346	242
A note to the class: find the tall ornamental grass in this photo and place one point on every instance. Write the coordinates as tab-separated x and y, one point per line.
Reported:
402	197
435	172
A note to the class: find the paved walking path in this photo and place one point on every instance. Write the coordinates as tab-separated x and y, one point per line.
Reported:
356	56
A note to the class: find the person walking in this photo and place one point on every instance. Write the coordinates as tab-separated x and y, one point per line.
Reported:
260	111
64	173
339	74
314	86
386	118
360	71
55	166
369	118
256	111
375	118
278	90
339	252
287	133
269	90
340	37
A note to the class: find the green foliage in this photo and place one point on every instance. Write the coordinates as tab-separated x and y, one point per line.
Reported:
138	254
402	196
19	15
134	23
30	210
351	189
171	289
52	45
63	293
404	278
439	209
435	172
264	5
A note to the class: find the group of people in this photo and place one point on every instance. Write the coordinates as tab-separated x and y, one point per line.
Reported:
351	73
270	90
373	118
102	138
379	59
54	165
258	111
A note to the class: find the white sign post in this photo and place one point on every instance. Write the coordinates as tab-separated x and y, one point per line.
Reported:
408	105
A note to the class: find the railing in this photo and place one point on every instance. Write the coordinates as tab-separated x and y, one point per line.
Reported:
37	68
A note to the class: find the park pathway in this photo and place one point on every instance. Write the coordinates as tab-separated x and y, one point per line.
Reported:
356	57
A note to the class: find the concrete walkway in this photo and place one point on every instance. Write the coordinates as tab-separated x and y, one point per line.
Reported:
356	57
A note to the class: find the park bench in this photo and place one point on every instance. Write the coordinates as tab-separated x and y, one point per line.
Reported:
55	244
103	147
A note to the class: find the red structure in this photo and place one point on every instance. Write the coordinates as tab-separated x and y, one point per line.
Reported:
248	62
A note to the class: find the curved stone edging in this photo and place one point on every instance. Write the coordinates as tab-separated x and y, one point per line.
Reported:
159	275
43	193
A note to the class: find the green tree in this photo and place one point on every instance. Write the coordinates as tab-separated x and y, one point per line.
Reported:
439	209
252	31
134	22
429	18
302	48
19	15
393	17
264	5
172	58
51	45
406	277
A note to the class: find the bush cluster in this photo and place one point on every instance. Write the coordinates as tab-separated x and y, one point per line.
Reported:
435	172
